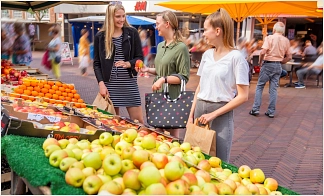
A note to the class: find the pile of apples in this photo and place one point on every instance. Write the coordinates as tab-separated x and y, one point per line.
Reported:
37	110
112	123
89	112
8	74
126	165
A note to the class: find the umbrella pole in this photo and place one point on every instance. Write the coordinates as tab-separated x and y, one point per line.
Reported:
238	31
264	31
92	32
199	25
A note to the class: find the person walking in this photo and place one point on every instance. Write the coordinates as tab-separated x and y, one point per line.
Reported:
54	48
84	52
275	51
6	45
146	50
172	61
117	47
21	51
223	71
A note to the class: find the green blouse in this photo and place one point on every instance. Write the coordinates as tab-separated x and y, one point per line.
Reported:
172	59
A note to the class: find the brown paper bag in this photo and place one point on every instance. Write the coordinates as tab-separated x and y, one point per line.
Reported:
104	104
202	137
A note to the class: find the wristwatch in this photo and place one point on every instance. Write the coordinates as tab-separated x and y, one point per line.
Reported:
165	79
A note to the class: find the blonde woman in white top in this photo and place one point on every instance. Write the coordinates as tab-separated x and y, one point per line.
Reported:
223	71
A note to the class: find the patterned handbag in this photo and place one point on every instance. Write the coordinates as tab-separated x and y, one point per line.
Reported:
163	112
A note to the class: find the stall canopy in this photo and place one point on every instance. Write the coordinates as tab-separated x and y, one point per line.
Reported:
241	9
94	23
41	5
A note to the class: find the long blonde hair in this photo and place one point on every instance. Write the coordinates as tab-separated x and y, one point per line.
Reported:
109	27
222	19
170	17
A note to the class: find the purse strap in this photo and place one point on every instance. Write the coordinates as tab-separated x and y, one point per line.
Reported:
167	95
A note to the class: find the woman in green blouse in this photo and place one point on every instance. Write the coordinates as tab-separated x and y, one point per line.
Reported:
172	61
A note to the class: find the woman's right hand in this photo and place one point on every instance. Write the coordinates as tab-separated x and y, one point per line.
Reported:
144	69
103	90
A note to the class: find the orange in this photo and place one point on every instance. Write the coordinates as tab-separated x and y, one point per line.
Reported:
80	100
67	90
23	87
52	101
51	91
78	105
46	99
62	89
26	83
71	87
14	95
58	83
43	82
40	94
30	88
70	95
47	86
55	96
68	99
55	87
48	95
33	83
61	98
27	92
59	102
83	105
77	96
73	91
64	94
64	86
36	88
19	91
44	90
74	100
24	97
32	98
34	93
40	85
58	93
50	83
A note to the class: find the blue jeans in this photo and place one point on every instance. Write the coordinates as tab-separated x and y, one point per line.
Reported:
269	72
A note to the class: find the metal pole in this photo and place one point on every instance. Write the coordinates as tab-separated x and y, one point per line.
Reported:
238	31
200	18
93	32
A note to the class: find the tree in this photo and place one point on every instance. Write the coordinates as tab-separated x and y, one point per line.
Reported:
38	15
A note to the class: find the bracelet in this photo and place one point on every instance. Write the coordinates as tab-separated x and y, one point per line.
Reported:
166	79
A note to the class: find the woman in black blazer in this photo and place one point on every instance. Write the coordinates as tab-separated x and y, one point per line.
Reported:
117	47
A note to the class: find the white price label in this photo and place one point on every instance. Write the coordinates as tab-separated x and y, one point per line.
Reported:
37	117
53	119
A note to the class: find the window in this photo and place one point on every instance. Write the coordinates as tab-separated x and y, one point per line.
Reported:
17	14
30	16
45	14
5	14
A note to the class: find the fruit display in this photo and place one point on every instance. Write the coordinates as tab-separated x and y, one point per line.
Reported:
117	124
64	127
133	164
89	112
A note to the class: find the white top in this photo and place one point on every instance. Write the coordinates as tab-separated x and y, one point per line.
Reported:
218	79
53	43
319	61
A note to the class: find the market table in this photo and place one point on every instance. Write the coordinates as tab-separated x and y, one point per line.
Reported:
31	168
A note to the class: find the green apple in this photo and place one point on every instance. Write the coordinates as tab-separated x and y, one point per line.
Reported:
190	152
120	146
180	154
235	177
127	153
227	172
190	160
84	155
177	187
104	178
71	146
173	171
148	142
77	165
253	189
119	175
275	193
196	149
92	184
89	171
263	191
205	165
112	164
74	177
176	144
164	148
96	141
160	160
98	149
215	162
230	183
201	181
50	149
195	188
139	157
244	171
246	181
271	184
63	143
106	151
224	189
56	157
83	144
73	140
138	147
69	152
66	163
147	164
126	165
149	175
115	141
185	146
50	141
92	160
190	178
242	190
209	188
129	192
106	138
199	156
77	153
205	175
138	141
101	171
112	187
174	150
156	189
129	135
120	181
257	176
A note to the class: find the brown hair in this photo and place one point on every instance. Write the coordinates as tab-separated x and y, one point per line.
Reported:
222	19
55	29
84	31
109	27
19	27
170	17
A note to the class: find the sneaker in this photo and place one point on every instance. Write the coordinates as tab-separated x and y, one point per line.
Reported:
300	86
269	115
254	113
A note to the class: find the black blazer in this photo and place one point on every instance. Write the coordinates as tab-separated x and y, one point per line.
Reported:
132	49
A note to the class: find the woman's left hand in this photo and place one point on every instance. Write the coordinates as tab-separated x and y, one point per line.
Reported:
123	64
206	118
158	84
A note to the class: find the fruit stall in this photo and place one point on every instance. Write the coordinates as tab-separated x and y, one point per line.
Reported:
56	144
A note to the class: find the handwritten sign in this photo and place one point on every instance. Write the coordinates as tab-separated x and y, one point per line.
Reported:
39	117
66	55
53	119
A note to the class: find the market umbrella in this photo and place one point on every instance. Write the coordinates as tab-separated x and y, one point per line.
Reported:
241	9
41	5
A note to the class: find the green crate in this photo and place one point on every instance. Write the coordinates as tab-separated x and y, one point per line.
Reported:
234	169
99	110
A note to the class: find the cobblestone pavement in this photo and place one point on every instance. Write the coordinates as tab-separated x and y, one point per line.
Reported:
288	147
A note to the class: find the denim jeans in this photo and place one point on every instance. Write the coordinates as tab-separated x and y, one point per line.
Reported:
269	72
302	72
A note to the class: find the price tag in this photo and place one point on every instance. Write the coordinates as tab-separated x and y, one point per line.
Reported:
53	119
37	117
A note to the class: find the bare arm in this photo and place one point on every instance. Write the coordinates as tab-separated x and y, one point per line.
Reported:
193	107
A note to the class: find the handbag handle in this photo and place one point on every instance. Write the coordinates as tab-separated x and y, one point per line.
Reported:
206	126
108	100
166	91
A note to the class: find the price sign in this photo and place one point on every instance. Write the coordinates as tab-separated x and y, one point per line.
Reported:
37	117
53	119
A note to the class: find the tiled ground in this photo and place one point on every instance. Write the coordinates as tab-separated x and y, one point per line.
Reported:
288	147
